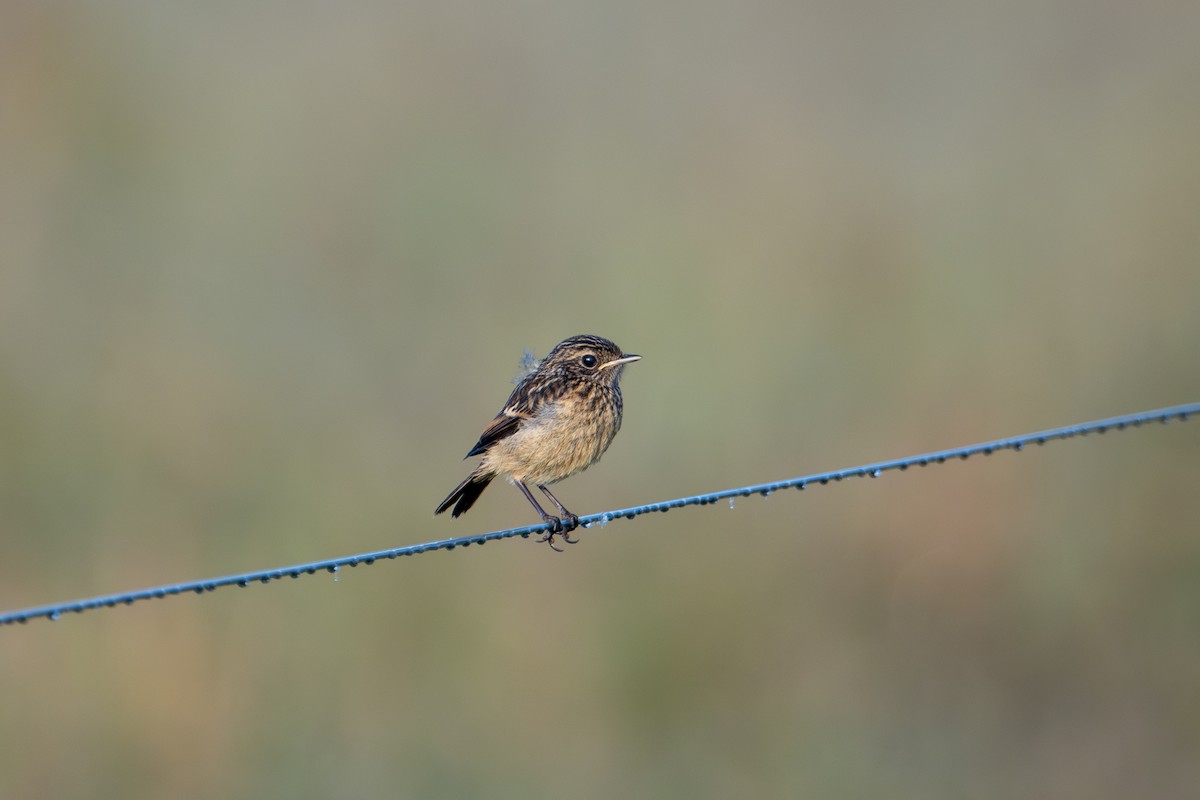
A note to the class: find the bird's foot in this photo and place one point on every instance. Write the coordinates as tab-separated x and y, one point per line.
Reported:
559	527
570	522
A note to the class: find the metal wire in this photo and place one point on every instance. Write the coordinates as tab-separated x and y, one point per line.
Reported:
1017	443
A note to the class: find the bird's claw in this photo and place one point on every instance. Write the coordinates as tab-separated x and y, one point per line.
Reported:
560	527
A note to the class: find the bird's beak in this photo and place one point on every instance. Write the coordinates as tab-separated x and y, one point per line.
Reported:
616	362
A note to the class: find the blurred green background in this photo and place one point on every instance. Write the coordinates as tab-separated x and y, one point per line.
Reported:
267	269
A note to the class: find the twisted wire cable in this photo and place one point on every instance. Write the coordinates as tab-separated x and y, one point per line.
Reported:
55	611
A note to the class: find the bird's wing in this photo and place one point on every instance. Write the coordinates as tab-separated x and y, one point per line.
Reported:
501	427
520	407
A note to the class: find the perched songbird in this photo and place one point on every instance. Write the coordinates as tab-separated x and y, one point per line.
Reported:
558	421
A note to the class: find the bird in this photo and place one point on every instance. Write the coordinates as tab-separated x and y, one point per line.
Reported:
558	421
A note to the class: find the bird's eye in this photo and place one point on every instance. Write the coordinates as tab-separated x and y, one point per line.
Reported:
588	361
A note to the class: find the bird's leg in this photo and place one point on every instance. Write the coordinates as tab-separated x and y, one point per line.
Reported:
556	524
569	520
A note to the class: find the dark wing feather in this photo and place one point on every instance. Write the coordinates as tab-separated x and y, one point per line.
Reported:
501	427
521	406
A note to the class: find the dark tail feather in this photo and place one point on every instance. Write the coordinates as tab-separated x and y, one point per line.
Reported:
465	494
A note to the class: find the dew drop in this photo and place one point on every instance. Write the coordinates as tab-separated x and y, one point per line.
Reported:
875	473
54	616
604	518
731	502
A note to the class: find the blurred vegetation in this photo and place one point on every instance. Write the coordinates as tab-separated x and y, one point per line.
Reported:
266	270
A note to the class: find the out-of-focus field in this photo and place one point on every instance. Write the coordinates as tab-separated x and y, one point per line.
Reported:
266	270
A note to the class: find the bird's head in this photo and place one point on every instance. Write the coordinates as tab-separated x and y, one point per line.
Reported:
591	357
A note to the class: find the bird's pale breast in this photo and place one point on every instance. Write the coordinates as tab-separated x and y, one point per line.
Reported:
564	437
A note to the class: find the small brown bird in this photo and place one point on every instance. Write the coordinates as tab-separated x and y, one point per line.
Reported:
558	421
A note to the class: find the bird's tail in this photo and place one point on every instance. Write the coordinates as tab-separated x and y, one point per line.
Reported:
465	494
